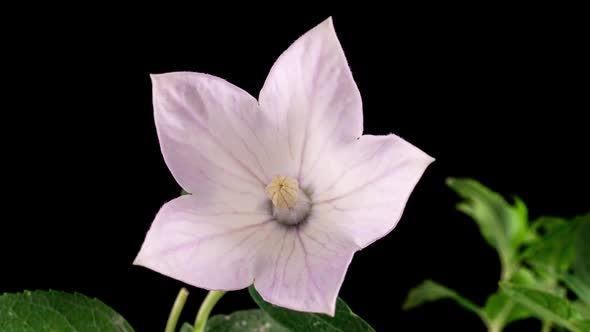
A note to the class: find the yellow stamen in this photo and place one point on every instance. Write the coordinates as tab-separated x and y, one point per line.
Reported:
283	191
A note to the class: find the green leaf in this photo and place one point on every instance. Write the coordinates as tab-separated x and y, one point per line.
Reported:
344	319
582	308
182	193
582	267
553	250
581	289
186	327
545	306
429	291
524	277
496	305
503	226
546	224
50	311
583	326
253	320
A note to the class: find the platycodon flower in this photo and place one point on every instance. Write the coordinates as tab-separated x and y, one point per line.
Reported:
283	189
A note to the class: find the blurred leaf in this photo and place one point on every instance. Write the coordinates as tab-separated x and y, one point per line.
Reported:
546	224
553	251
186	327
524	277
581	289
583	326
344	319
545	306
582	308
503	226
519	228
429	291
49	311
498	302
253	320
494	305
183	192
582	267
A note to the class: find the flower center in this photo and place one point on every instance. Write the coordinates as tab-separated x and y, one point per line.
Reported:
290	206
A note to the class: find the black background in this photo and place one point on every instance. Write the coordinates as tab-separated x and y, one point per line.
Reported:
492	93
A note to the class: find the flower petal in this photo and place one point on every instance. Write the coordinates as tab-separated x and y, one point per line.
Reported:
205	242
207	129
312	99
302	268
362	190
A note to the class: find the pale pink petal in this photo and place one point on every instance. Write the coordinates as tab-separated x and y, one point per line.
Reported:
206	242
312	100
207	129
302	268
361	190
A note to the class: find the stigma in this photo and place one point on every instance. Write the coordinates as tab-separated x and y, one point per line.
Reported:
283	191
290	204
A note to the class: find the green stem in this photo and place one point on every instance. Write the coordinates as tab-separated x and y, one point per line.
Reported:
550	284
205	309
498	324
176	310
494	328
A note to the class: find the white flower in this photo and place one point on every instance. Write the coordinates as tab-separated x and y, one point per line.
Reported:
284	189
